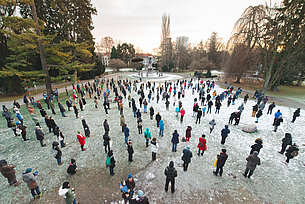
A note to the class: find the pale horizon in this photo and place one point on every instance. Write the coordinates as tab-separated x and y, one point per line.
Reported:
139	22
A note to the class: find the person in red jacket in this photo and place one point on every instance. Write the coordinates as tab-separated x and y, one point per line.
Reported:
202	145
81	138
182	112
188	133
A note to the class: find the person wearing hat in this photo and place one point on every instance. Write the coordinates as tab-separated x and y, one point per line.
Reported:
147	136
140	199
126	133
81	138
186	157
72	167
67	192
170	173
32	182
130	150
252	161
221	160
130	184
8	171
287	140
112	162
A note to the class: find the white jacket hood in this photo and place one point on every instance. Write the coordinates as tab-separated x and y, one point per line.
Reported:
62	192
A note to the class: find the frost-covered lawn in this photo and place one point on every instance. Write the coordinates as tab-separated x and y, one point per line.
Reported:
272	182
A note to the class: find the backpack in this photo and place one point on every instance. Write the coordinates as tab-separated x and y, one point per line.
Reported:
201	145
294	153
108	162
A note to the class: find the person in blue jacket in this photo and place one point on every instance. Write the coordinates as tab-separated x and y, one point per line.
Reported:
126	133
224	134
276	116
161	126
175	140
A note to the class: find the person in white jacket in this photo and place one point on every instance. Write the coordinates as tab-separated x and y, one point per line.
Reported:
154	148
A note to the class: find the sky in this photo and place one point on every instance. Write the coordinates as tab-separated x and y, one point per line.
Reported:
139	21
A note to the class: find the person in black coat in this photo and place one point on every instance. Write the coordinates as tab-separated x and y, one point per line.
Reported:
199	114
291	152
257	146
277	123
296	114
106	126
232	117
112	162
130	150
258	115
158	118
75	111
221	160
86	128
287	140
130	183
72	167
151	112
61	109
43	113
106	139
224	134
39	136
139	115
237	118
52	124
186	157
270	108
210	106
170	173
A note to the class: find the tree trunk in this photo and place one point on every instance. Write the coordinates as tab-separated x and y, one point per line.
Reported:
41	52
75	76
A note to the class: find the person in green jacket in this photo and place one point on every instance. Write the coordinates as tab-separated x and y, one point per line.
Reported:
147	136
67	192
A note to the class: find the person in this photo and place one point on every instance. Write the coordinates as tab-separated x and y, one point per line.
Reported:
86	128
237	117
199	114
270	108
186	157
126	133
291	152
140	125
110	162
218	105
138	114
8	171
125	191
252	161
276	115
254	110
210	103
61	109
147	136
161	126
145	105
67	192
258	115
106	126
224	134
39	135
130	150
68	104
182	113
75	111
52	124
56	152
202	145
188	133
154	148
23	132
212	124
232	117
106	139
130	183
296	114
246	98
140	199
81	139
151	112
257	146
278	122
72	169
32	182
177	111
158	118
7	115
170	173
287	140
175	141
221	160
122	122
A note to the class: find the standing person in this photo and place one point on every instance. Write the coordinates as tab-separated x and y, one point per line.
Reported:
72	169
246	98
32	182
241	108
140	125
69	105
130	183
287	140
177	111
212	124
224	134
81	139
151	112
296	114
23	132
218	105
186	157
52	107
270	108
202	145
39	135
277	123
25	100
52	124
106	126
147	136
8	171
122	122
61	109
110	162
86	128
161	126
167	104
67	192
75	111
291	152
182	113
145	105
158	118
252	161
106	139
56	152
276	115
126	133
254	110
154	148
258	115
170	173
199	114
257	146
221	160
188	133
130	150
237	117
210	103
175	141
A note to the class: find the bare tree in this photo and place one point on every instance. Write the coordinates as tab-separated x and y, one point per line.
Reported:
105	45
117	64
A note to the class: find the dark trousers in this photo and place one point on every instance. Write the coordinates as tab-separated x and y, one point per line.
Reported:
122	128
287	160
209	109
231	120
151	117
147	141
140	130
246	172
129	157
53	111
82	147
198	119
172	181
37	191
185	166
211	129
181	119
111	170
41	143
269	111
154	156
223	140
24	137
220	170
12	180
293	119
107	146
283	148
